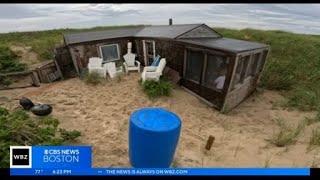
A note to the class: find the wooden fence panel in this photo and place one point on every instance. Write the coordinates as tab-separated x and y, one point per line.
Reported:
19	80
48	72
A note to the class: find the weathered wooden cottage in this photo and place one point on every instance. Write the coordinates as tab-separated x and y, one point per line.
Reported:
221	71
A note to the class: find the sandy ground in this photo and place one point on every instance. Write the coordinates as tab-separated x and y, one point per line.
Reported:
102	113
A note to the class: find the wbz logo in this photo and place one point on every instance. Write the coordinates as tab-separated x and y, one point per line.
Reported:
20	157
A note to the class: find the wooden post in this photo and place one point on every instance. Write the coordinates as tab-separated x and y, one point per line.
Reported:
58	68
209	142
35	79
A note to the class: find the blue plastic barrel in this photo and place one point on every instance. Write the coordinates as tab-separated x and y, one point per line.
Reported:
153	137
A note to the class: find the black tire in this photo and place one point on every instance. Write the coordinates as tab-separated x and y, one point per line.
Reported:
41	109
26	103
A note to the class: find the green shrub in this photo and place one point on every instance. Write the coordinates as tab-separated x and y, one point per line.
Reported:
9	61
155	89
18	128
277	76
303	98
93	78
286	135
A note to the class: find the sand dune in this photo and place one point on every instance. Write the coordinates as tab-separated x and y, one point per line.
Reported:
102	113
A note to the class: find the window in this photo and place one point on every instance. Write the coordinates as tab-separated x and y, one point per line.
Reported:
240	73
245	60
194	66
254	64
216	72
149	46
110	52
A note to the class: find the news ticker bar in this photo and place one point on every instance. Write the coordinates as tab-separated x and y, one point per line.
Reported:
162	172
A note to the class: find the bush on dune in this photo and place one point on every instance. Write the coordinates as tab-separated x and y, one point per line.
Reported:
155	89
9	61
18	128
92	78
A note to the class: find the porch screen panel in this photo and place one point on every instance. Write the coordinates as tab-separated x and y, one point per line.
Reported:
194	66
215	72
110	52
254	64
245	62
241	70
237	74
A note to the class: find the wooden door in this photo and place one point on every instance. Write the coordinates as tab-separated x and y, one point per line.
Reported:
148	51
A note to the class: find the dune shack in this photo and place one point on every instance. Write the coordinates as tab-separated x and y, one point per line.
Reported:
220	71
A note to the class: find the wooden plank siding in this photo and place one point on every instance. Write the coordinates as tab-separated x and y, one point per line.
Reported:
81	52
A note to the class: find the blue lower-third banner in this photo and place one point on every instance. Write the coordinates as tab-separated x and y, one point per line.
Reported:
166	171
77	160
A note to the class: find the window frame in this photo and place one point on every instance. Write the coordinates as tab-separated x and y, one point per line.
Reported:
101	54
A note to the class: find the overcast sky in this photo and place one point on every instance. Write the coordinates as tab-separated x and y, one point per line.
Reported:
299	18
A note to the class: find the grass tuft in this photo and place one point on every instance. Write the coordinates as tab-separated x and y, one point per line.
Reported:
93	78
286	135
314	139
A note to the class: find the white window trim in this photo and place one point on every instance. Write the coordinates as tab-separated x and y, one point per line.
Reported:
101	54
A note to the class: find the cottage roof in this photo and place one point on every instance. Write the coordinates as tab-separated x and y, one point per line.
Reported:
74	38
226	44
159	31
166	31
199	34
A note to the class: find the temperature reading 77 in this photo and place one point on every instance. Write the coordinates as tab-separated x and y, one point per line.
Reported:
37	171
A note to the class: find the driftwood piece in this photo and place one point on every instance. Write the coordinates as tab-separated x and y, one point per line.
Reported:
209	142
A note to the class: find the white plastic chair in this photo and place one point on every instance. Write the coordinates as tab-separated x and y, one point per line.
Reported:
153	72
112	70
95	65
130	63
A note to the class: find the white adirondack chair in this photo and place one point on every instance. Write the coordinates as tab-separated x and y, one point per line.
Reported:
112	70
95	65
153	72
130	63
